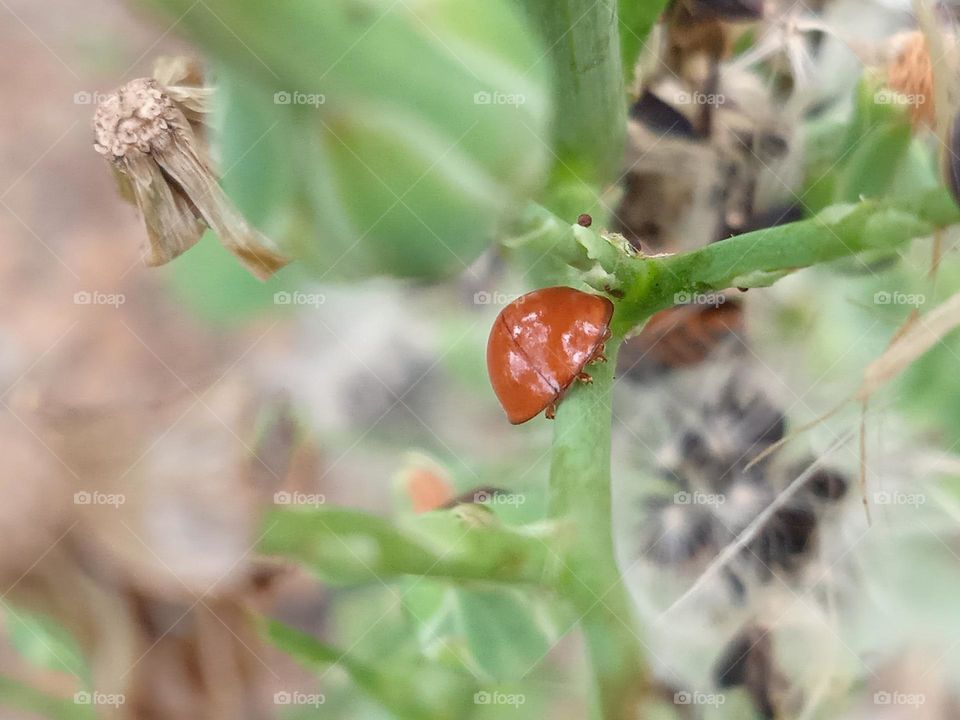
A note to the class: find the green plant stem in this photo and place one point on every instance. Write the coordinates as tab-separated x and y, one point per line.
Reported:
17	694
641	285
580	491
589	126
349	547
580	470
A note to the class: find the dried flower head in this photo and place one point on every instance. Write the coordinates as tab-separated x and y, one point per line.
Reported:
144	129
910	75
940	37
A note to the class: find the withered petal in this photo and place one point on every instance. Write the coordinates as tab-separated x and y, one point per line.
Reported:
148	137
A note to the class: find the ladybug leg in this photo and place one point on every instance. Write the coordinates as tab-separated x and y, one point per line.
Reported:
599	357
551	412
585	378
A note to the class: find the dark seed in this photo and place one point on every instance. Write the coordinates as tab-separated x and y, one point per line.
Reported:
730	10
584	220
661	118
748	661
731	668
827	485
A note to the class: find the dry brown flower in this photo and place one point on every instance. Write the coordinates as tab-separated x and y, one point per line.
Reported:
151	132
910	75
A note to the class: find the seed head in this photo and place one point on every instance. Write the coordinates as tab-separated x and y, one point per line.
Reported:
137	118
151	131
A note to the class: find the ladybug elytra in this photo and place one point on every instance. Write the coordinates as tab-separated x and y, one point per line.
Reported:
540	343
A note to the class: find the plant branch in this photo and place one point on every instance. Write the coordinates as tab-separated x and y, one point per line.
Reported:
641	285
348	547
589	124
580	491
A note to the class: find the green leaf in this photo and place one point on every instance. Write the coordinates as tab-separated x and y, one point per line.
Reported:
303	647
44	642
869	114
347	547
417	691
873	165
503	634
390	138
210	281
16	694
637	20
499	633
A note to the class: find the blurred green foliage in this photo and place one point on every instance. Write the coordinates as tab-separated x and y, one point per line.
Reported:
387	138
373	137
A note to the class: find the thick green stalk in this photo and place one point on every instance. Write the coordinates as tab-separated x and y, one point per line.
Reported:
580	492
589	124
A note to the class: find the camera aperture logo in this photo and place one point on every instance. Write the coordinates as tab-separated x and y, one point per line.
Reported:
685	298
892	97
314	100
299	698
899	298
285	497
883	697
299	298
98	698
86	497
95	297
499	698
698	498
686	697
701	98
498	98
898	497
491	497
484	297
87	97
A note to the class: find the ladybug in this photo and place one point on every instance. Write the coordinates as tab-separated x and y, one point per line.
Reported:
540	343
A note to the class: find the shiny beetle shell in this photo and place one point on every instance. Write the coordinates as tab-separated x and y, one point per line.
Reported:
540	343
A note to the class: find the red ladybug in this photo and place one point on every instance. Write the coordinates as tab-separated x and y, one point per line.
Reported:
540	344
